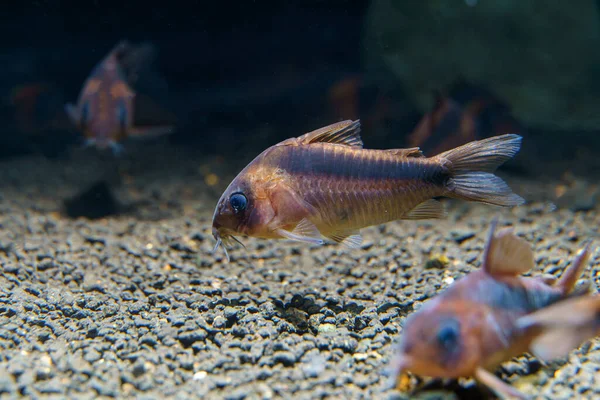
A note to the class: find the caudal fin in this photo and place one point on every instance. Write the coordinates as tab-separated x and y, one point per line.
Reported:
562	327
472	166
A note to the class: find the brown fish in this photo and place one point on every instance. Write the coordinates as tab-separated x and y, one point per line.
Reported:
448	125
466	113
325	184
38	108
105	108
493	314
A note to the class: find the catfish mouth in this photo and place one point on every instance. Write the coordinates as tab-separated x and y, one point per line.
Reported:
397	368
225	240
404	363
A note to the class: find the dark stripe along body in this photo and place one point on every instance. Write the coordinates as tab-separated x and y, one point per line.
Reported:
352	188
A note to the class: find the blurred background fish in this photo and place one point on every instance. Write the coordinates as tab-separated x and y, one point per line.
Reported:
467	112
35	112
108	105
37	107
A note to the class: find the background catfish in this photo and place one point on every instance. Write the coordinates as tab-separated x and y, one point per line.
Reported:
106	108
324	183
493	314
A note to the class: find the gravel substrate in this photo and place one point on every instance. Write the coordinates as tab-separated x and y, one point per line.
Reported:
135	304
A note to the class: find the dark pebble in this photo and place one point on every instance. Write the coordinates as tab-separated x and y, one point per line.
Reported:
7	383
51	386
237	394
91	356
286	358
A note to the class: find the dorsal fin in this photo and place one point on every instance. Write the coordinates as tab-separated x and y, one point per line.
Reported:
411	152
506	253
344	132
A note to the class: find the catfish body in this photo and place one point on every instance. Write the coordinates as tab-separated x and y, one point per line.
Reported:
492	315
325	183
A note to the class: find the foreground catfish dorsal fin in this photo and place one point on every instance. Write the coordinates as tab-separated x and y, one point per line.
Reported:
410	152
305	231
344	132
506	253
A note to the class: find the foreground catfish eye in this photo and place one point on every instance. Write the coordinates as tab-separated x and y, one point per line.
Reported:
238	202
448	334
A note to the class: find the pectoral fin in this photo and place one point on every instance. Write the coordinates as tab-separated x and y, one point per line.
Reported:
73	113
506	253
305	231
557	343
563	326
502	389
116	148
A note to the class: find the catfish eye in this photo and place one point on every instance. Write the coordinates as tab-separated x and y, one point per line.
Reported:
448	335
238	202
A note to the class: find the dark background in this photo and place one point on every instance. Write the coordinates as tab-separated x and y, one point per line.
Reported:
229	66
238	75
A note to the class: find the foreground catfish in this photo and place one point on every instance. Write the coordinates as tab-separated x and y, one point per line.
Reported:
325	184
494	314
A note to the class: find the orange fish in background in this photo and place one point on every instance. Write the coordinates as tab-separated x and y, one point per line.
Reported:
106	105
354	97
445	126
494	314
35	117
343	98
324	184
468	113
38	108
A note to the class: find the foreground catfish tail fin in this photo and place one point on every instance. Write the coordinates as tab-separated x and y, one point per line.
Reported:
562	327
472	166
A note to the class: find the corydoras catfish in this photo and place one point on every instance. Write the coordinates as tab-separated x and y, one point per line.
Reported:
324	183
494	314
105	109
